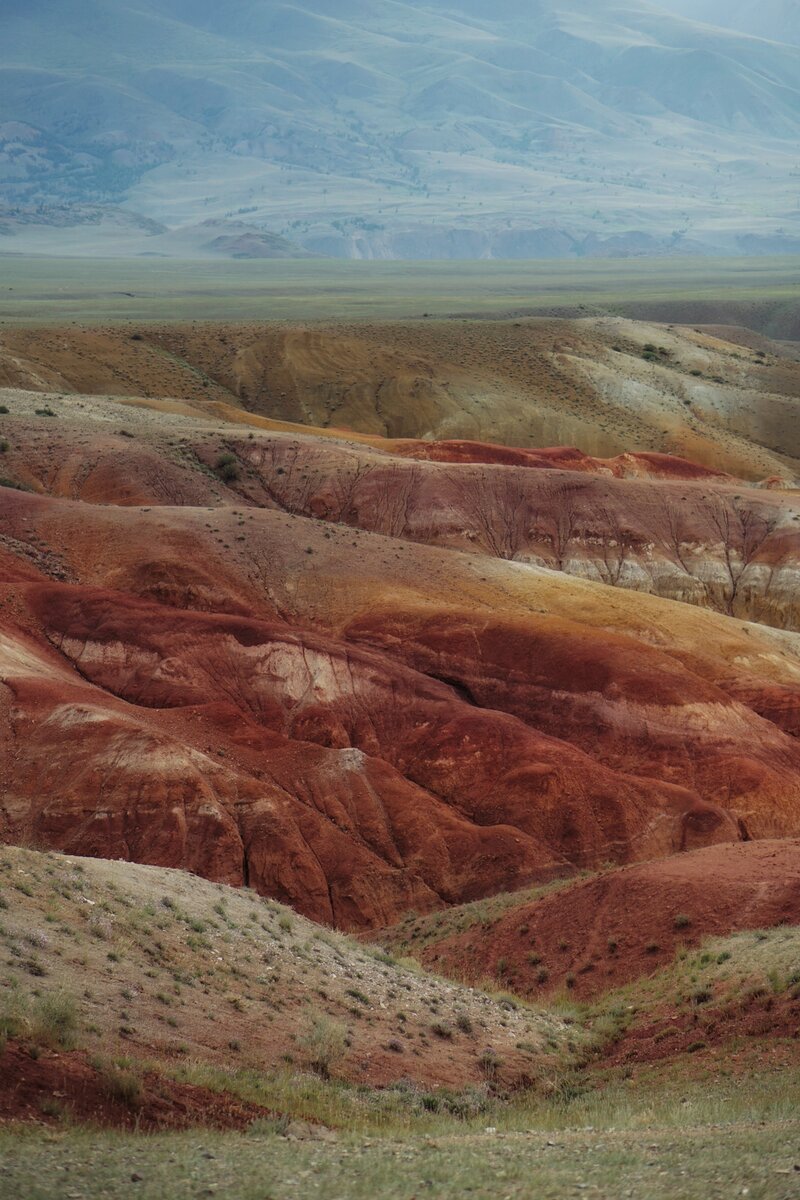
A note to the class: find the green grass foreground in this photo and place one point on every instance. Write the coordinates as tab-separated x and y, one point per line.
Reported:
656	1139
36	290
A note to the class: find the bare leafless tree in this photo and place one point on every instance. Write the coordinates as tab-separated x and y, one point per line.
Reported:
673	533
743	530
558	523
392	499
614	545
497	508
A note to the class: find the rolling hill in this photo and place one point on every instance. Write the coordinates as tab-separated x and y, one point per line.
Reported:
393	130
363	673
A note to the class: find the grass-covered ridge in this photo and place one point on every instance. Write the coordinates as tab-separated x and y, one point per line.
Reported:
161	965
728	992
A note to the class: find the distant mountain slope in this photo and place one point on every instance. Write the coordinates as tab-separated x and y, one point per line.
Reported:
778	20
401	129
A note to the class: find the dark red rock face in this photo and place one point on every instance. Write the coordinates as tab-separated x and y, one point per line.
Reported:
289	688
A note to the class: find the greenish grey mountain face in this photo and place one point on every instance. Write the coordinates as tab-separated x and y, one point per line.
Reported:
376	128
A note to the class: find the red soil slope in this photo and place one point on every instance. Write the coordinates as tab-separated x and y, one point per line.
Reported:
599	933
289	673
561	458
360	725
49	1086
644	522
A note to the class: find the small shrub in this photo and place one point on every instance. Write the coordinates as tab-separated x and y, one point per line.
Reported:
489	1063
50	1106
122	1085
324	1045
270	1126
227	467
55	1020
4	446
682	921
693	1047
14	1020
464	1022
442	1030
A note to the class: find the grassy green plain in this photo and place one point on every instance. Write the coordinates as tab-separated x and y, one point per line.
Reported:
670	1151
49	290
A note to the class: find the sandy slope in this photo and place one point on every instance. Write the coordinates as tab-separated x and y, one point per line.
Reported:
534	383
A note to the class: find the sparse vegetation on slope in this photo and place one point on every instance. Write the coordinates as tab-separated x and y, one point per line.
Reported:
113	932
143	963
590	935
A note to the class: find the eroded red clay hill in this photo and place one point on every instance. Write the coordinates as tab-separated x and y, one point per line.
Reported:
358	724
265	657
644	522
597	934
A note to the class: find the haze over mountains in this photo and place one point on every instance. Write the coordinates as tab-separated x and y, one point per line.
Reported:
417	130
777	20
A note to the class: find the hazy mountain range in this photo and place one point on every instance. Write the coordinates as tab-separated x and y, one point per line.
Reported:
776	20
524	128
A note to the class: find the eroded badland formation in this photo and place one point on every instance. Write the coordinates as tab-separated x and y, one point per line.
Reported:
322	612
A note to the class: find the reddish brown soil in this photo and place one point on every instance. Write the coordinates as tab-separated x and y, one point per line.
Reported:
598	934
559	458
357	724
51	1086
642	521
667	1034
209	675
